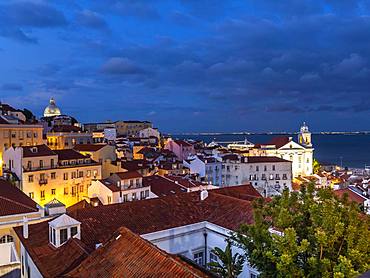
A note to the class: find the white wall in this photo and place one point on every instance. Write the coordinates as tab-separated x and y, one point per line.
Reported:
189	239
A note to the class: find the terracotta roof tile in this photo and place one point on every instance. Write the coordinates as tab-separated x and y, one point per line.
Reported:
36	151
162	186
69	154
129	175
14	201
132	256
352	196
89	147
98	224
265	159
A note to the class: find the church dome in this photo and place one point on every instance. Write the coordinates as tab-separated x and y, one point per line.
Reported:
52	109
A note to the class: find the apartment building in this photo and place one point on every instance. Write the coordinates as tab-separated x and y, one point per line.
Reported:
68	140
47	174
131	128
120	187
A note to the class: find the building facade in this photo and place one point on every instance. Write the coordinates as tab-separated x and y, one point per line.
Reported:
47	174
67	140
131	128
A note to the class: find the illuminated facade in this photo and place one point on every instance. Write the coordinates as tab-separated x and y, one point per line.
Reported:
67	140
131	128
46	174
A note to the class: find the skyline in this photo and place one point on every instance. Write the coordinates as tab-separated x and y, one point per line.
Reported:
191	66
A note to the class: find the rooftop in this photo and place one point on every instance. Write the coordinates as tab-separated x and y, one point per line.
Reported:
265	159
36	151
129	254
14	201
89	147
98	224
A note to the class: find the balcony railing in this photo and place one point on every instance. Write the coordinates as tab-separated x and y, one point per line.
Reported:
43	181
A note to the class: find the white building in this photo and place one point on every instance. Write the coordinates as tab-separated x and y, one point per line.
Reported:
208	168
300	154
170	223
120	187
149	132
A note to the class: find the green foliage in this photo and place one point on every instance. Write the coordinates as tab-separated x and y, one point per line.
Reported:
314	234
229	265
316	166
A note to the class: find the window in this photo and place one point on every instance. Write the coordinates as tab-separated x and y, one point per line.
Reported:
80	174
95	173
285	177
52	163
273	167
65	190
131	183
65	176
53	175
73	231
134	196
88	173
29	165
32	195
41	164
42	194
198	258
81	188
213	257
30	178
265	168
53	191
109	199
73	191
142	195
257	168
146	193
42	176
74	175
53	238
125	198
63	235
6	239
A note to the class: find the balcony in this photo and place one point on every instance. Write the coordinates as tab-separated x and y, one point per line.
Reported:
43	181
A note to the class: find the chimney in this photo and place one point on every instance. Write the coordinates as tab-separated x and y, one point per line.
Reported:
25	227
203	194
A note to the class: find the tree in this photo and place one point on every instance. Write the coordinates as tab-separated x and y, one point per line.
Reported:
310	233
229	265
316	166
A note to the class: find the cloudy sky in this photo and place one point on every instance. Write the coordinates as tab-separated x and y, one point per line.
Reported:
191	65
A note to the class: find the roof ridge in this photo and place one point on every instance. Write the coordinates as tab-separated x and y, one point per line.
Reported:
18	203
177	183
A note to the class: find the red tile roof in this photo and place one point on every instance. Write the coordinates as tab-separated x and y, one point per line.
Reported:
36	151
129	175
135	165
69	154
65	128
185	182
129	255
278	141
182	143
98	224
89	147
352	196
162	186
265	159
14	201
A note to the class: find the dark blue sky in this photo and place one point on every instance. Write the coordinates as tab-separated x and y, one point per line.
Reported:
191	65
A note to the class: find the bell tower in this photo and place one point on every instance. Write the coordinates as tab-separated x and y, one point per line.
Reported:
304	137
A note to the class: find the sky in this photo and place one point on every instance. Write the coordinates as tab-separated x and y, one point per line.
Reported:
191	65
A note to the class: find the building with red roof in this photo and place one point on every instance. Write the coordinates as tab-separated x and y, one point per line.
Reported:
118	240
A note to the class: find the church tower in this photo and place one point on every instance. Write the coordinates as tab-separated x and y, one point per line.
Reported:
304	137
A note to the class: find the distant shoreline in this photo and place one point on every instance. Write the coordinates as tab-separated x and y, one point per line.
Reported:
268	133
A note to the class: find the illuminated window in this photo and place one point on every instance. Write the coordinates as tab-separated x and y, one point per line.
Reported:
53	191
6	239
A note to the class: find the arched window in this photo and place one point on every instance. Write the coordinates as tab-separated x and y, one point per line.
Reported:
6	239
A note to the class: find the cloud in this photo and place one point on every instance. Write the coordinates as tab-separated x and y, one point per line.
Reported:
91	19
11	87
121	66
17	34
31	14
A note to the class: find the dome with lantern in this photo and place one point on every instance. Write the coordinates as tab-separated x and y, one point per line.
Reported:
52	109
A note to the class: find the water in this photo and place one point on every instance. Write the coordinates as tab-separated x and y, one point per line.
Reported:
351	150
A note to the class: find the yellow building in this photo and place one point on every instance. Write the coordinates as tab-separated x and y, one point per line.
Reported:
46	174
67	140
15	206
